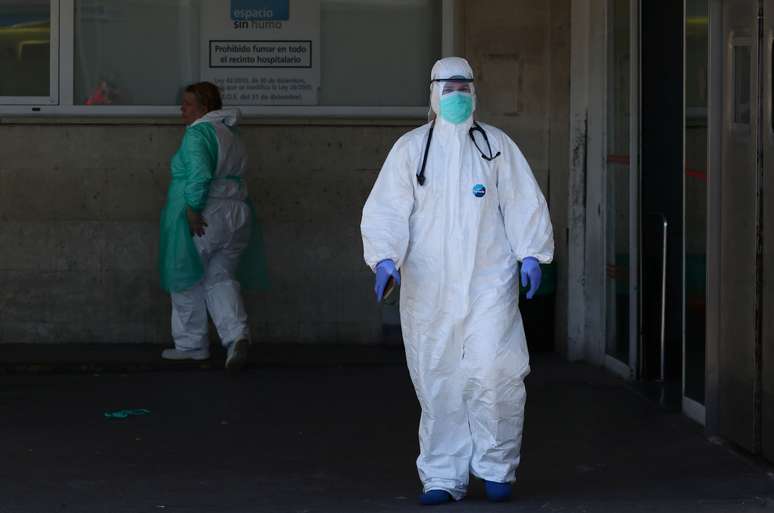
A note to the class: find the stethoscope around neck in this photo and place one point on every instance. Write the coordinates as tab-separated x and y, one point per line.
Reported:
472	134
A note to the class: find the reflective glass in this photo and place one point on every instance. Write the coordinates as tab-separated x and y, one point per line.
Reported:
25	48
142	52
135	52
377	52
742	80
696	101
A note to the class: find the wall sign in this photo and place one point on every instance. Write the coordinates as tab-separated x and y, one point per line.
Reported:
262	52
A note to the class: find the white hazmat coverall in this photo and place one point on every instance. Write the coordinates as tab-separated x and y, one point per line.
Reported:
457	250
226	236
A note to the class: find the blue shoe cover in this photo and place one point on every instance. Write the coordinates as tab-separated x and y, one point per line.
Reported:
497	492
434	497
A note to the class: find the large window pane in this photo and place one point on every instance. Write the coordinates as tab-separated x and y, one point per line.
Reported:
142	52
25	47
364	63
135	52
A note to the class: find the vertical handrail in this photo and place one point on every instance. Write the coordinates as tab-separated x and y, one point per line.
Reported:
662	334
653	336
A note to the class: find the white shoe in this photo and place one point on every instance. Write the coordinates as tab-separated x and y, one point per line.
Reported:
191	354
237	354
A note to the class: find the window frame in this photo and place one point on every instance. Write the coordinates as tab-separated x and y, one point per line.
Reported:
738	41
28	102
63	76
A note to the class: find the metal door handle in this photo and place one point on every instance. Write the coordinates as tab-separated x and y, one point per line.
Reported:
662	335
657	221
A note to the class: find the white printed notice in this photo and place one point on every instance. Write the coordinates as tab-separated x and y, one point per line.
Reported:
262	52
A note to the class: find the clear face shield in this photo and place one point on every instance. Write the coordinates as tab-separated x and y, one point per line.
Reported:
455	85
452	98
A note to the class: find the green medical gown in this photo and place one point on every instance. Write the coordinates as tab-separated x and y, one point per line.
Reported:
193	168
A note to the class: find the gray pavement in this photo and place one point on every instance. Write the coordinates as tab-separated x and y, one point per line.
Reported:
301	431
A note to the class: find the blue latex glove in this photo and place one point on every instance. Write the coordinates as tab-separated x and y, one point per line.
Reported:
530	271
384	271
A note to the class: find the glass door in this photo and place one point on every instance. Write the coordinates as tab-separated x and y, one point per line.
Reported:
695	204
618	181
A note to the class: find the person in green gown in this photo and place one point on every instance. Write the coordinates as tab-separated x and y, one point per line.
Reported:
208	231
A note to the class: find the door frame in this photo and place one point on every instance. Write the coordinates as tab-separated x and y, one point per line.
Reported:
690	407
635	226
715	121
628	369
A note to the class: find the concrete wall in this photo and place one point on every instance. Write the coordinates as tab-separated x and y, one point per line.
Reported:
79	209
559	157
79	201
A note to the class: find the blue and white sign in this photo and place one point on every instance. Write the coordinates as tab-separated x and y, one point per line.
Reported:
248	10
262	52
479	190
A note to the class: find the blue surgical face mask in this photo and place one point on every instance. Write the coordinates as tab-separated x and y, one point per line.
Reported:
456	107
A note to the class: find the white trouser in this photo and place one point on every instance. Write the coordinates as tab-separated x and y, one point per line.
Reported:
226	236
469	378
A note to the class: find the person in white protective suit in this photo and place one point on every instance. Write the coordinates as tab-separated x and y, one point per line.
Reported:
205	227
453	211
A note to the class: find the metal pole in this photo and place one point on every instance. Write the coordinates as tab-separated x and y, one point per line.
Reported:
663	299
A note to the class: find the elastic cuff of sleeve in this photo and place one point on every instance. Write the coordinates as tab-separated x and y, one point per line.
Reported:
383	261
